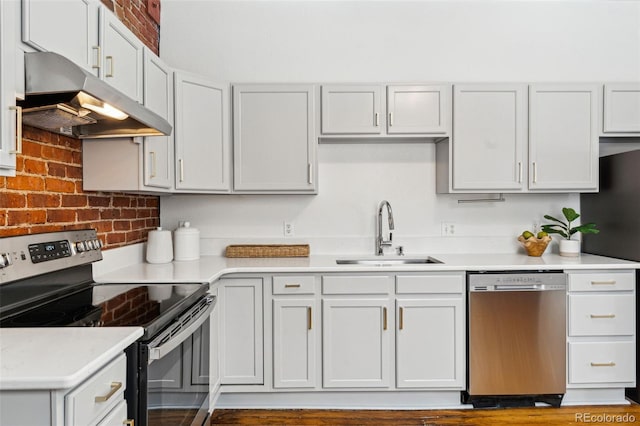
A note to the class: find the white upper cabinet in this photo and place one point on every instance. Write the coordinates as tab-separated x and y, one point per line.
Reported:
563	137
158	97
69	28
418	109
201	135
489	136
274	138
370	110
352	109
621	108
88	34
10	115
121	57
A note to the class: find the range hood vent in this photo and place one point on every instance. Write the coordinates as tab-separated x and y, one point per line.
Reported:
61	97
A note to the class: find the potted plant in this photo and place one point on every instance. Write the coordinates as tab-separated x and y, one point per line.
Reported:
568	246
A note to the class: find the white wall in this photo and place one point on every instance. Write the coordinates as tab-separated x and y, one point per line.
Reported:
388	41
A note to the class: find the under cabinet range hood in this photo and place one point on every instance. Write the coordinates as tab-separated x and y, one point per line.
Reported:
61	97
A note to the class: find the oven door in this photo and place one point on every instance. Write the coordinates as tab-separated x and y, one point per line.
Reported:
173	371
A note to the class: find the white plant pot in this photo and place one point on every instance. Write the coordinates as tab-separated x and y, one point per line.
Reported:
570	248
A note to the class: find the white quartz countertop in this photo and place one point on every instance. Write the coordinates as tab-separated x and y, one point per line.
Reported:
211	268
58	358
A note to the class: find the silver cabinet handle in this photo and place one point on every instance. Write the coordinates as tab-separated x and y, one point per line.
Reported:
152	154
401	319
602	316
310	173
309	317
391	119
18	110
98	63
377	119
535	172
181	167
115	386
603	364
110	73
519	171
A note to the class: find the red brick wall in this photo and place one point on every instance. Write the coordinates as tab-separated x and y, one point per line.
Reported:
47	195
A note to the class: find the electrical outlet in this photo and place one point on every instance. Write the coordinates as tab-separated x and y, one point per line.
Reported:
289	229
448	229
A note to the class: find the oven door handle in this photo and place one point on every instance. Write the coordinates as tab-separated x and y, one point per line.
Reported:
158	352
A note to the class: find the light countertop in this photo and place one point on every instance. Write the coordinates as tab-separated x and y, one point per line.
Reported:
211	268
58	358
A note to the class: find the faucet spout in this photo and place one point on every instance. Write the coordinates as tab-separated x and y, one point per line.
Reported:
380	241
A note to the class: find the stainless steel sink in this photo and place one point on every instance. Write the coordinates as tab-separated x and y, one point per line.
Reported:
389	262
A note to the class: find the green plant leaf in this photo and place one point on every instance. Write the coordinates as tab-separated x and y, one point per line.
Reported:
587	228
546	216
570	214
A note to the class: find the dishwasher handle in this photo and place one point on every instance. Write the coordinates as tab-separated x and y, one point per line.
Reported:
520	287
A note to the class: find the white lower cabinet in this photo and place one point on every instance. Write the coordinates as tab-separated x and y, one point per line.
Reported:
294	342
601	329
356	344
99	400
241	335
429	343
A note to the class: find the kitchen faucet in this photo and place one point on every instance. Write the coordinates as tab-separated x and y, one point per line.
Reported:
380	241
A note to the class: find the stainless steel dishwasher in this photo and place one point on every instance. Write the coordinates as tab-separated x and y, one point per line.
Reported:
516	338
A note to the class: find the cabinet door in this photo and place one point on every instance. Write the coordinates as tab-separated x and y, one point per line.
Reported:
430	343
622	108
352	109
67	27
10	115
418	109
201	135
158	97
274	138
121	56
200	355
241	351
294	343
489	136
563	137
356	339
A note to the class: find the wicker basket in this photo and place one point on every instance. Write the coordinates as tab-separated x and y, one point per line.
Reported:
268	250
535	246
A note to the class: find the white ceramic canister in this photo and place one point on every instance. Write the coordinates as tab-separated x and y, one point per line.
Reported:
159	246
186	242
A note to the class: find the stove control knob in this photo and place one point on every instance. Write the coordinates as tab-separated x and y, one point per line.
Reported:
89	244
81	247
97	243
5	260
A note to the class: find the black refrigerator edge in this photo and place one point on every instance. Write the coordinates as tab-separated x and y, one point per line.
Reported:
616	212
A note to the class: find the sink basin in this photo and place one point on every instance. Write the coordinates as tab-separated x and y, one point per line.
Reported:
389	262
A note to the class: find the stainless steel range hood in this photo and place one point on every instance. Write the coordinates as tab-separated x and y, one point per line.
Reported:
63	98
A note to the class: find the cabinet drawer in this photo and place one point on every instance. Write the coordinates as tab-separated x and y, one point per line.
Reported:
604	362
437	283
117	416
601	314
601	281
80	404
299	284
356	284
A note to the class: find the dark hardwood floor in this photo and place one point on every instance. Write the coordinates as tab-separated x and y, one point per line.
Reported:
598	415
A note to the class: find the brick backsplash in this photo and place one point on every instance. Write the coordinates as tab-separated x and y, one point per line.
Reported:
46	194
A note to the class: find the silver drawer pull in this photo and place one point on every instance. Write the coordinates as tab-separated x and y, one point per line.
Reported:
292	286
603	364
610	282
115	386
603	316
